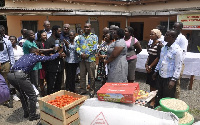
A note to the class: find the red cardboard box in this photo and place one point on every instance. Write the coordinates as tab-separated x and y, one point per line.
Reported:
119	92
121	84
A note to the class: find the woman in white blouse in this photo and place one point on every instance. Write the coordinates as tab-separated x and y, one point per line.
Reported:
18	51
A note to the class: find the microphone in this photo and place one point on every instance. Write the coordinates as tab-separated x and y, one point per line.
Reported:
57	42
1	44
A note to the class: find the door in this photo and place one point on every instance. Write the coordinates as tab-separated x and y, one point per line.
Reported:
138	29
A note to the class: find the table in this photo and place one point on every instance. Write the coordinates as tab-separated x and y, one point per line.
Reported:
192	61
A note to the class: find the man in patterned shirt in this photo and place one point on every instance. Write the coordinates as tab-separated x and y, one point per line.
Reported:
169	66
86	48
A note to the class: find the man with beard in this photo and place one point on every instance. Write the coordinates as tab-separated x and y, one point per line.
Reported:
86	48
54	68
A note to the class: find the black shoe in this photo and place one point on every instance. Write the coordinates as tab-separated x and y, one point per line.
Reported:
91	95
26	115
10	104
34	117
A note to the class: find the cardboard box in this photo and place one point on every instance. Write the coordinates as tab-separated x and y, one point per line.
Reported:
67	115
118	92
121	84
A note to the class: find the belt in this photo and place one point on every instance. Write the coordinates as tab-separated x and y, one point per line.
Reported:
4	62
15	71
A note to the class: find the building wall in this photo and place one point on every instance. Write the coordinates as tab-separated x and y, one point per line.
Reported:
15	22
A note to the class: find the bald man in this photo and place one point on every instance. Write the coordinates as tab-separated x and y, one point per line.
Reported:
47	29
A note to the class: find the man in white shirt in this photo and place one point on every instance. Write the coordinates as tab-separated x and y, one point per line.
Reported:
47	29
183	43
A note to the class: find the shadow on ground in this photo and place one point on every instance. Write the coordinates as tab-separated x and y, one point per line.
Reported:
16	117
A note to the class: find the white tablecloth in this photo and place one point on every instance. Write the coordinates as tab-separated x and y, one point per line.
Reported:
192	63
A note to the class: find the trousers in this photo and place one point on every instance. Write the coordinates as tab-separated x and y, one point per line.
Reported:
163	89
84	68
20	81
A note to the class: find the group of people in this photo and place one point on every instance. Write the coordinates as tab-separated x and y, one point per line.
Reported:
33	58
164	65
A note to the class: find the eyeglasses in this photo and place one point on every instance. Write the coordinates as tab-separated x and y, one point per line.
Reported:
152	34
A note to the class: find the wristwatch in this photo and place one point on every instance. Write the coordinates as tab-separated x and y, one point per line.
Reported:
149	67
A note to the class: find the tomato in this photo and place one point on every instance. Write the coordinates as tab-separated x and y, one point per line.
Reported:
61	101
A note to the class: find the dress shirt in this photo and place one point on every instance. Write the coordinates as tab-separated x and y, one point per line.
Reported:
87	45
183	43
7	52
26	46
18	52
4	90
48	34
73	55
20	38
170	62
62	37
28	61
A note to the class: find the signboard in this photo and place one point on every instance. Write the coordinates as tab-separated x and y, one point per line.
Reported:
190	21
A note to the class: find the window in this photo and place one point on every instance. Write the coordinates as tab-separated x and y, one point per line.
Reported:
30	25
165	24
113	23
2	3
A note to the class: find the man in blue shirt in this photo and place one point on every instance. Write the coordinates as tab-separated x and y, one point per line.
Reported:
6	59
169	66
18	78
23	31
65	33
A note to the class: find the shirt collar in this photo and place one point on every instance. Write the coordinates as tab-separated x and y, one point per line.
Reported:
172	46
48	32
88	35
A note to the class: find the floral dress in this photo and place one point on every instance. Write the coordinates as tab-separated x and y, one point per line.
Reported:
101	73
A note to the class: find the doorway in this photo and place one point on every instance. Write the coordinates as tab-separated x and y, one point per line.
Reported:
138	29
3	21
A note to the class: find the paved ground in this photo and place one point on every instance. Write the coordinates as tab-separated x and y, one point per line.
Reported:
191	97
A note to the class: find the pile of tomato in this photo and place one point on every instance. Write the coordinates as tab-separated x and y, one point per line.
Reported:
61	101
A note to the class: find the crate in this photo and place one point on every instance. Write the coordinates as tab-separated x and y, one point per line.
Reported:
67	115
119	92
